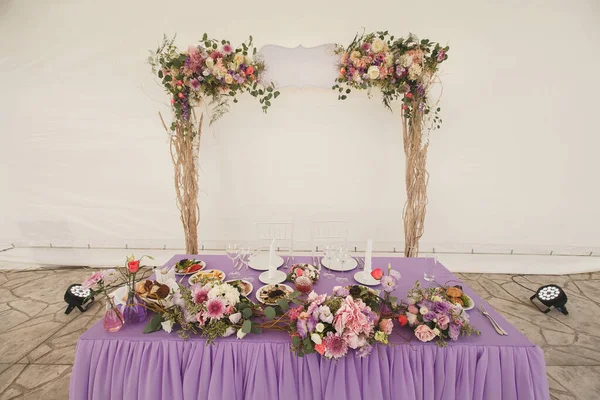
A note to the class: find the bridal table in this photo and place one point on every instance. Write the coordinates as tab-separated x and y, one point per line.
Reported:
131	365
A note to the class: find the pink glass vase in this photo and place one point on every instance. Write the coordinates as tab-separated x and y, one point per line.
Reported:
113	319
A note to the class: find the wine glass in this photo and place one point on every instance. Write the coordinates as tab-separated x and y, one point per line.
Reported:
342	257
233	252
430	267
328	254
247	254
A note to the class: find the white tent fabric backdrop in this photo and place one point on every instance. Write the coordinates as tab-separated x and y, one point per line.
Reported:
85	159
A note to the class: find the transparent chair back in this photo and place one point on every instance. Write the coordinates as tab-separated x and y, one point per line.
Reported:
282	232
325	233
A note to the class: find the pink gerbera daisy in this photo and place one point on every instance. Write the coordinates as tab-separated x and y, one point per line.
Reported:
215	308
335	346
200	293
227	49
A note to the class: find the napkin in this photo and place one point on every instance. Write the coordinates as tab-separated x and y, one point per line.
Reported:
272	267
368	254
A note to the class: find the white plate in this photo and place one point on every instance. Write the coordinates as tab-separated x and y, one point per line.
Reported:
245	281
365	278
350	264
192	279
260	290
472	304
278	277
202	263
260	262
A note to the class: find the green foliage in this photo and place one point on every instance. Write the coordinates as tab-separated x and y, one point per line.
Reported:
154	324
247	326
269	312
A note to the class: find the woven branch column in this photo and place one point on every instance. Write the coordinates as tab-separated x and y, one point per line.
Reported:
417	179
185	148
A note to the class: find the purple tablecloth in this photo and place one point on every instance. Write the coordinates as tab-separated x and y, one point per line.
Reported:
131	365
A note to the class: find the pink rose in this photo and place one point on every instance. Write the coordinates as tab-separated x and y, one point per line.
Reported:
386	325
443	321
92	280
355	341
424	333
229	310
299	271
413	309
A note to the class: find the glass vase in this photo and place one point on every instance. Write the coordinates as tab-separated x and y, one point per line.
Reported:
134	311
113	319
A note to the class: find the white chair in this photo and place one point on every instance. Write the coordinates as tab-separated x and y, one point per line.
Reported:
323	233
282	232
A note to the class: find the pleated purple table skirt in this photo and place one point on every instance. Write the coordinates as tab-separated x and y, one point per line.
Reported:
131	365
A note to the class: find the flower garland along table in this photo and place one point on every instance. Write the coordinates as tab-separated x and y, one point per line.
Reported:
129	364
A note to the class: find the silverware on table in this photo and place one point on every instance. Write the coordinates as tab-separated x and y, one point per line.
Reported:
495	324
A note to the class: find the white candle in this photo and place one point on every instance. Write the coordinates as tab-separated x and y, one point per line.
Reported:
368	254
272	267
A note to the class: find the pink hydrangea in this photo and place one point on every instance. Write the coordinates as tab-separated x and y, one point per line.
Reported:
351	318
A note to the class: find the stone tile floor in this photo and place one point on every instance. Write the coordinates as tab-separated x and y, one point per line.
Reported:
37	340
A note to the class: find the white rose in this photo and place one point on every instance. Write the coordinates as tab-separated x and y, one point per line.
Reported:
389	60
210	62
229	331
355	54
167	326
378	45
235	318
423	310
373	72
412	318
406	60
240	334
320	327
206	72
228	79
414	72
238	58
315	337
436	331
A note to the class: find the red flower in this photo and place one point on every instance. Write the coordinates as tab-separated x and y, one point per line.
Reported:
320	348
172	101
377	273
402	320
299	271
250	70
179	83
342	71
404	107
409	95
133	266
180	95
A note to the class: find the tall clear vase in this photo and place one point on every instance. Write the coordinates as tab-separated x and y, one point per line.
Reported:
134	311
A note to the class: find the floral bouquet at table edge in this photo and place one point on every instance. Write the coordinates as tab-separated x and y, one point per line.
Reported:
432	316
210	308
330	325
101	282
212	69
399	67
307	270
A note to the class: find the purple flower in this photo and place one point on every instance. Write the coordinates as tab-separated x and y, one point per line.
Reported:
340	291
454	331
370	314
426	303
441	56
312	321
364	351
301	328
442	307
400	71
389	283
429	316
366	46
420	89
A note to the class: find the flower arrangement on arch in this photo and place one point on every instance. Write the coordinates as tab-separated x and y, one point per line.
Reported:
212	70
400	67
431	316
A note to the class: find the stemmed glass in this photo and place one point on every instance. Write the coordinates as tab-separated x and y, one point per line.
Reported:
246	255
342	257
430	267
328	254
233	252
